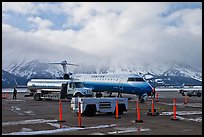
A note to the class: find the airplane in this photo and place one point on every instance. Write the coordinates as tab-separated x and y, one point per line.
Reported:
118	83
183	90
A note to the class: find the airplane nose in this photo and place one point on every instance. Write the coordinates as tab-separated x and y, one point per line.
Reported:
144	88
148	89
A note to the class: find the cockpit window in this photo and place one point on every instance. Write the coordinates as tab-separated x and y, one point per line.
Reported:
139	79
135	79
131	79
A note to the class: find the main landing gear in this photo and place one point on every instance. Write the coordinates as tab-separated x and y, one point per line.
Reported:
141	100
119	95
99	94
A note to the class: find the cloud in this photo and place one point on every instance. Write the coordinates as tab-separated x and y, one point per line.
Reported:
19	7
106	33
41	23
187	20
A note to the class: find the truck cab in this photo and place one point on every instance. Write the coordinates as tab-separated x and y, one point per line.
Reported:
75	89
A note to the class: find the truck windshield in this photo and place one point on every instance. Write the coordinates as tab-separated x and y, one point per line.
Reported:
79	85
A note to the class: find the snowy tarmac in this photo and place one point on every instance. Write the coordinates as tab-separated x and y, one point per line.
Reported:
24	116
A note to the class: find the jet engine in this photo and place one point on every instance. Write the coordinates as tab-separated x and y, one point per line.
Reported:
67	76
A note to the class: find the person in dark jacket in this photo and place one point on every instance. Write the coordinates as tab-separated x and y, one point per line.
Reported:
14	93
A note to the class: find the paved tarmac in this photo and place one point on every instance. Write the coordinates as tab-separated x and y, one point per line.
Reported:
24	116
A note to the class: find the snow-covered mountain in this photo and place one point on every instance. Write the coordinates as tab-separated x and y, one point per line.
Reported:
8	80
34	69
175	74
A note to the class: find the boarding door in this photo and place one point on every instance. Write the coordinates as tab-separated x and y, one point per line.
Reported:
121	83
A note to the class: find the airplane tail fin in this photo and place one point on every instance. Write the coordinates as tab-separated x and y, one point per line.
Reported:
64	65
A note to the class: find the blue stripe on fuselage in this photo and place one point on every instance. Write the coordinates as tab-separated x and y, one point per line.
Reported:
137	88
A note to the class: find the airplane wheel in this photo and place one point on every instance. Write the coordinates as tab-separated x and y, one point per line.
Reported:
78	95
142	100
199	95
98	94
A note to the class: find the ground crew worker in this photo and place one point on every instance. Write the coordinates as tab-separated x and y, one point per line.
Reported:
14	93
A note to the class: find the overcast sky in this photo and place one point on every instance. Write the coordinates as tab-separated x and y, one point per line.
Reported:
102	33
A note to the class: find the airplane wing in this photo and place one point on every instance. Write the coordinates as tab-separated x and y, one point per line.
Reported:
63	63
19	86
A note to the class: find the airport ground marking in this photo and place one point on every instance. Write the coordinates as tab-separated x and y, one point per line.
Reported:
199	119
42	132
16	110
128	130
182	113
24	122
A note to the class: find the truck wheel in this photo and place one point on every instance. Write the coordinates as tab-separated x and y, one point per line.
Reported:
78	95
198	94
37	97
183	94
90	110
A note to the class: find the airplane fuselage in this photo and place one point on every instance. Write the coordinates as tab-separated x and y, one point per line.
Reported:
121	83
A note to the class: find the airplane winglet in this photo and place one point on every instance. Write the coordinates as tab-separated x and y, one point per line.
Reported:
16	83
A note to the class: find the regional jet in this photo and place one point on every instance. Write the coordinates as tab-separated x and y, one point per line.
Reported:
118	83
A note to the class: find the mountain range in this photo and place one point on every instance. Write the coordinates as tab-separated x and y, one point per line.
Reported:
156	75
